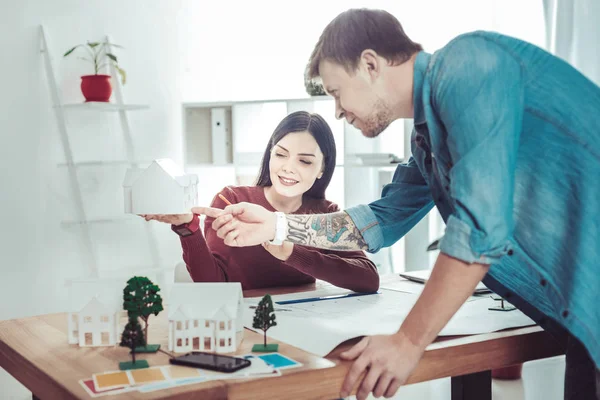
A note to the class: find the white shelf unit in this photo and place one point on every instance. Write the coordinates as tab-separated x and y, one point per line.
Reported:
105	107
251	124
85	219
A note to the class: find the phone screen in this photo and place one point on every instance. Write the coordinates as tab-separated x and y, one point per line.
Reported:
212	361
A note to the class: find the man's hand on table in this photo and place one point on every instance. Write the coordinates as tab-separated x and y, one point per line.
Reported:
388	361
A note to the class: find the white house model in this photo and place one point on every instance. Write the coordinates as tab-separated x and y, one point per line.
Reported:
162	188
205	317
95	311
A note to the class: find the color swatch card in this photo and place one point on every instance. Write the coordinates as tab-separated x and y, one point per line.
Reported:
276	360
135	377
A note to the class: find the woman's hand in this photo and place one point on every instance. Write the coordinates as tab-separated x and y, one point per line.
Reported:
282	252
173	219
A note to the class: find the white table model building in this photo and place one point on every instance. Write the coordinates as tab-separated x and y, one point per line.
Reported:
95	311
205	317
162	188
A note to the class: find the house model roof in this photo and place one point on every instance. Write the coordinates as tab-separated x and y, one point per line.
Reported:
108	292
165	165
210	300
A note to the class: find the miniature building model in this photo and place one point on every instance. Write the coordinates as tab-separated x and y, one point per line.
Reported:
94	315
205	317
162	188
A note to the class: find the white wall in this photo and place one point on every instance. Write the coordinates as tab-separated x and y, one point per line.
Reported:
37	255
36	252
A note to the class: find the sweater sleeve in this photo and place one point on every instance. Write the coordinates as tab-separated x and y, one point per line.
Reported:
206	255
347	269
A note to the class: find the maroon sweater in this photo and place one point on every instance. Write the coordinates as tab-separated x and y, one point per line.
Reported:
208	259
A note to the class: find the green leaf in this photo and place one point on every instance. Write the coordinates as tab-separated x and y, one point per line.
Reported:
112	56
93	44
70	51
123	75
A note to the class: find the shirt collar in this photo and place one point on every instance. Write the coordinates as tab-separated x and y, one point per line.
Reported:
420	69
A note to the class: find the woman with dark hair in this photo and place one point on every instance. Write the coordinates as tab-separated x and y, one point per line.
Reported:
296	169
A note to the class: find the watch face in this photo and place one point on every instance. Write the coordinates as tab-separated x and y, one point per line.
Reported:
183	232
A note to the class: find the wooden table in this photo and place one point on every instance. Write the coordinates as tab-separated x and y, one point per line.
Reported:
35	351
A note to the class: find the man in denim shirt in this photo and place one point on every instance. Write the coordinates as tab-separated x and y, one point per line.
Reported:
506	144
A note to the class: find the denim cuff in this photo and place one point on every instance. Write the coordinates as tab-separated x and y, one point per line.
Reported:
366	222
457	243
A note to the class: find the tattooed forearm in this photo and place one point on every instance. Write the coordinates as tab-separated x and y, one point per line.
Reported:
334	231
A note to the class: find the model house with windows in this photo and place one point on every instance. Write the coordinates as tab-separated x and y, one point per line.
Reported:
94	317
162	188
205	317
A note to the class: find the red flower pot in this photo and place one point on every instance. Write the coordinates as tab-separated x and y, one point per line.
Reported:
96	87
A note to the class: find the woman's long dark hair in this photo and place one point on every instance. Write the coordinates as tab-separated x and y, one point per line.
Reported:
297	122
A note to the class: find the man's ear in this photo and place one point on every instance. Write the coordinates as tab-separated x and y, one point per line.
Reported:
371	62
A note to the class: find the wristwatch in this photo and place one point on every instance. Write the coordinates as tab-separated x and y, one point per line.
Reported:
188	229
279	229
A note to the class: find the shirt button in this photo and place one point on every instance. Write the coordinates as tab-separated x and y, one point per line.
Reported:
510	252
565	313
543	282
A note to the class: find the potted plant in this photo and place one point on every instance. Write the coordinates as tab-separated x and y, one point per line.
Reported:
97	87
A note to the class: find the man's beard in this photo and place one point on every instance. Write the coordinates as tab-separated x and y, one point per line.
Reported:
377	122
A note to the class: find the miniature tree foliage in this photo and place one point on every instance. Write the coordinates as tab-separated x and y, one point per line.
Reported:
141	299
133	336
264	317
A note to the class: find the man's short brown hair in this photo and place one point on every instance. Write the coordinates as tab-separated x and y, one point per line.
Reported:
355	30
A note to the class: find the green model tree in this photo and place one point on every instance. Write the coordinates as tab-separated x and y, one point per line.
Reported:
141	300
133	337
264	318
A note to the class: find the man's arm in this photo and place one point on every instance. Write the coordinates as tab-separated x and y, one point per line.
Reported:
404	202
335	231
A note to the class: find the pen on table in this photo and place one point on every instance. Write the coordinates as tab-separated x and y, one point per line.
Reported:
331	297
224	199
275	309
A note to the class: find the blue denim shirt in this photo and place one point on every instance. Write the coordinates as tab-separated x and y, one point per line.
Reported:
506	144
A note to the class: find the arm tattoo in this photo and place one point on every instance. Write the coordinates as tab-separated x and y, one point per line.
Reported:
335	231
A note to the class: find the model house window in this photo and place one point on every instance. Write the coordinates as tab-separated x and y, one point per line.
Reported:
74	318
87	320
178	325
187	325
88	339
229	324
222	325
178	342
187	341
229	342
222	342
207	343
104	319
196	343
195	323
207	324
105	337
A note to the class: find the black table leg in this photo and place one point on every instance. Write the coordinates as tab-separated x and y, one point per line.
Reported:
477	386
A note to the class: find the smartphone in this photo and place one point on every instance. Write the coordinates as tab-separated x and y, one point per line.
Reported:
215	362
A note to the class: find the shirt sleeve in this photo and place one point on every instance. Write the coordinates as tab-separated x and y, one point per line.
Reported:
477	90
403	203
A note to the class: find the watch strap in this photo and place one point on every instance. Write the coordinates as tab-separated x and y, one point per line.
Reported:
280	229
188	229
